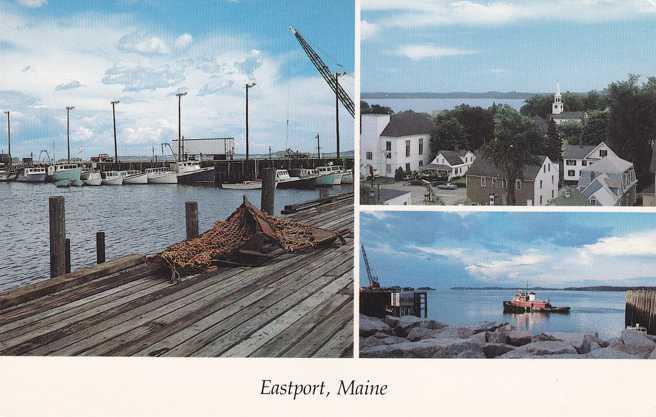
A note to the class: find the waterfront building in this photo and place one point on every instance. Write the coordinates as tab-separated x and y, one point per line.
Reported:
486	184
389	142
451	164
577	157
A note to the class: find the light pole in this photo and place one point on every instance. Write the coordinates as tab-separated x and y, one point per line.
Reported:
180	95
337	75
248	86
9	136
68	133
114	103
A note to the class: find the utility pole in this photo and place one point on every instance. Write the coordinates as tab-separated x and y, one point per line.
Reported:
337	75
270	153
318	148
180	95
9	136
114	103
68	133
248	86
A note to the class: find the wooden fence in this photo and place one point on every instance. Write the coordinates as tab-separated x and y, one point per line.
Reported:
641	309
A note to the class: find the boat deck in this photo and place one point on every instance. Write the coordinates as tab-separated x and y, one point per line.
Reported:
295	305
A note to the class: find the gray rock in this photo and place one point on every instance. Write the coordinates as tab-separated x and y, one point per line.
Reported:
392	321
480	338
610	353
471	354
582	342
371	325
543	337
420	333
380	339
487	326
407	323
519	338
653	355
540	349
497	336
637	343
432	324
427	348
493	350
455	333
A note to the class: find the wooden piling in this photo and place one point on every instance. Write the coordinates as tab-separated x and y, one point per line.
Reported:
100	247
641	309
268	190
191	211
68	255
57	236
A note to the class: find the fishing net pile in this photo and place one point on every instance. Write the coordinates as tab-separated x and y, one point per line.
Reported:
246	227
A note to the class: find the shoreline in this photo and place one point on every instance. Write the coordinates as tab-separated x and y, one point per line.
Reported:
413	337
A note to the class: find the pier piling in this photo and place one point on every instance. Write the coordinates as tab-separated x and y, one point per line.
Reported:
57	236
268	190
100	247
641	309
191	214
68	255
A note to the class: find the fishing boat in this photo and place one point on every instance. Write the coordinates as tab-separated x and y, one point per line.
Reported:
190	172
66	172
284	180
92	178
112	178
526	302
134	177
161	175
33	174
6	175
244	185
330	175
308	177
347	178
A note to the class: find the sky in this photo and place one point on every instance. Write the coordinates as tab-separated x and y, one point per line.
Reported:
504	45
509	249
85	54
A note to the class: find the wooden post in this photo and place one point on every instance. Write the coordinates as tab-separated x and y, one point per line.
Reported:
268	190
191	210
100	247
57	236
323	192
68	255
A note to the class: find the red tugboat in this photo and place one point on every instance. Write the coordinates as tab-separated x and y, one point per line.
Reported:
525	302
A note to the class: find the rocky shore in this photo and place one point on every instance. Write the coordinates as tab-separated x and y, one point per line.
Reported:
412	337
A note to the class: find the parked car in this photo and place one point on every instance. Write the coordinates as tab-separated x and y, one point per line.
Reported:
448	186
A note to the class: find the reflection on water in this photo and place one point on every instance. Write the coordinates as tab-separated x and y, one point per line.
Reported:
135	218
601	312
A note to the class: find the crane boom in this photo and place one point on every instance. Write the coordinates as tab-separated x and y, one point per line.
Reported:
325	72
373	279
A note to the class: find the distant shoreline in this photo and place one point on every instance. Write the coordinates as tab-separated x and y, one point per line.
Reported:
513	95
593	288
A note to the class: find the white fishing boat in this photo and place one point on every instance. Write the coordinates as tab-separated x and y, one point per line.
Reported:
6	176
161	176
347	178
244	185
284	180
134	177
112	178
92	178
66	172
190	172
330	175
33	174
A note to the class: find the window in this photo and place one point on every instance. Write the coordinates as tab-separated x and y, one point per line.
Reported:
518	184
544	169
421	163
552	179
494	182
540	199
370	156
584	163
570	162
492	198
552	193
571	173
603	152
407	148
388	169
540	184
421	146
407	168
388	146
483	182
549	165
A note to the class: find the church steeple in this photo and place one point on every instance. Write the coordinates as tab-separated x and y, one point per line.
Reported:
557	107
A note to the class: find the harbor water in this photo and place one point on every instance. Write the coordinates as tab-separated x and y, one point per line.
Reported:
592	311
135	218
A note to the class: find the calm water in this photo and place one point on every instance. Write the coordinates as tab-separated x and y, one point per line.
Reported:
601	312
135	218
429	105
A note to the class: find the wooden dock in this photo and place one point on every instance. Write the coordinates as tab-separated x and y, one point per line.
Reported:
295	305
641	309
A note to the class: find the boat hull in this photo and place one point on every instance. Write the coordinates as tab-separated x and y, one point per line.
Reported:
347	178
168	177
67	175
112	181
304	183
510	307
334	178
201	176
93	179
246	185
35	178
136	179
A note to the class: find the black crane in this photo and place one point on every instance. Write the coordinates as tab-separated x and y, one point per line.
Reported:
373	279
325	72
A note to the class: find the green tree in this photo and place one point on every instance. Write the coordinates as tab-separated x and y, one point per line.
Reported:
595	129
539	105
553	142
447	133
570	133
365	108
478	125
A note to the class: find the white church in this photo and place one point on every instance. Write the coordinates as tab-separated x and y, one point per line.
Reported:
558	113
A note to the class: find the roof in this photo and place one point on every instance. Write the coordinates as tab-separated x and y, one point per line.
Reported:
387	194
452	157
575	198
577	151
609	166
437	167
484	167
569	115
408	123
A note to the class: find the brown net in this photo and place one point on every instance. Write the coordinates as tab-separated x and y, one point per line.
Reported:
246	225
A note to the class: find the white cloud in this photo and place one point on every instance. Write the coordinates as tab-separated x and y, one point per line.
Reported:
426	51
141	43
634	244
138	78
68	86
368	30
183	41
32	3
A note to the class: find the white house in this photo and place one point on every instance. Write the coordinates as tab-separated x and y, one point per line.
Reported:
609	182
577	157
389	142
559	116
452	164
